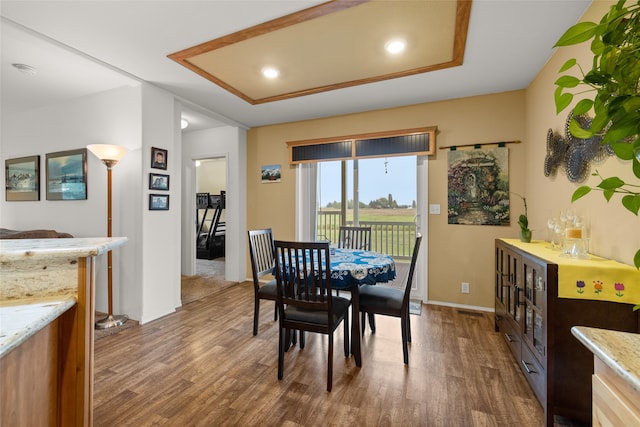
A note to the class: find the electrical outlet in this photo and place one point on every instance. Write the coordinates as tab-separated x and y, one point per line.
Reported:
465	288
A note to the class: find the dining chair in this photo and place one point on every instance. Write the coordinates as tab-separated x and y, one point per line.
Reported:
351	237
305	301
262	262
391	302
354	237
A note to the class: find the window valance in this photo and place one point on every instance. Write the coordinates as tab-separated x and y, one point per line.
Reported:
419	141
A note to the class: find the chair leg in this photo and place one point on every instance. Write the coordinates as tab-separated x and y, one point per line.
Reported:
287	339
408	327
256	315
347	348
281	345
330	364
363	325
405	350
275	311
372	323
301	339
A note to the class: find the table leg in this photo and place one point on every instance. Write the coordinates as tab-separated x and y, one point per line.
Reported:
355	325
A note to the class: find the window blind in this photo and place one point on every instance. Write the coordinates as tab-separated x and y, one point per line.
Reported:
420	141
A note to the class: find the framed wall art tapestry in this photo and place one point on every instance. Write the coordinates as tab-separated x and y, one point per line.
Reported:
478	186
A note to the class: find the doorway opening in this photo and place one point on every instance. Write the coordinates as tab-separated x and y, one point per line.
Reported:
210	221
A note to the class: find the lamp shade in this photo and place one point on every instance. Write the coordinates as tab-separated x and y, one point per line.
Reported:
107	151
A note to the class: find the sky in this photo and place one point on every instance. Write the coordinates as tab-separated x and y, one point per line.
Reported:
376	181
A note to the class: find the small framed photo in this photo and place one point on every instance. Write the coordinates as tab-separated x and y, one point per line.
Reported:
158	158
158	202
271	173
158	181
67	175
22	178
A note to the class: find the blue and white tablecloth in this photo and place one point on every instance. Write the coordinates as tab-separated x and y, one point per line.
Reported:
351	267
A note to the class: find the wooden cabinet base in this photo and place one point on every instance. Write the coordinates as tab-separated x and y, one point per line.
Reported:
615	403
536	325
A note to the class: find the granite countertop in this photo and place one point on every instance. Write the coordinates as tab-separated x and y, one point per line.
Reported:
16	249
39	283
620	351
19	322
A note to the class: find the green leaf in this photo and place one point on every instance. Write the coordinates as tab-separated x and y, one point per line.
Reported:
582	107
632	104
562	99
597	78
623	150
523	221
636	168
580	192
567	81
636	261
577	131
570	63
611	183
608	194
632	203
579	33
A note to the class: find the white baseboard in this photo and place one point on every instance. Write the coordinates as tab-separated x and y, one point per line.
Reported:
464	306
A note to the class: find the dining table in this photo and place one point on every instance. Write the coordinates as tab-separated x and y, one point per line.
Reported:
351	268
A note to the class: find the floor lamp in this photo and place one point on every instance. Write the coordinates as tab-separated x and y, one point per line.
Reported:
110	155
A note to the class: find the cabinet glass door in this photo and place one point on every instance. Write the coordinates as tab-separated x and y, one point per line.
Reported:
502	268
514	277
534	291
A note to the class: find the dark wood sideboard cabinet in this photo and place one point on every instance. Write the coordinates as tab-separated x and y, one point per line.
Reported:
536	326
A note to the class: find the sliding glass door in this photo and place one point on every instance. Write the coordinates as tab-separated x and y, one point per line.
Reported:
383	193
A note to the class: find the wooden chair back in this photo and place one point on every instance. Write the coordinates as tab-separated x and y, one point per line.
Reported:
354	238
412	269
261	251
303	277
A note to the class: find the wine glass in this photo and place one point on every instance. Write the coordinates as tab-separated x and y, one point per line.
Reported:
559	230
551	226
571	215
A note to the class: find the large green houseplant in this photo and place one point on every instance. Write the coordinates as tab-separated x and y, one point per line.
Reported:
614	85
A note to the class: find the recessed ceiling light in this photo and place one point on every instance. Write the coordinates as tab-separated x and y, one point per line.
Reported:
25	69
183	124
270	72
395	46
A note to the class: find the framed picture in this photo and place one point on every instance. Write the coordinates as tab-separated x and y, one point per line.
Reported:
158	202
158	158
22	178
271	173
67	175
158	181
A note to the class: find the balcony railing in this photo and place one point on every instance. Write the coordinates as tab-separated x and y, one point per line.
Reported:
392	238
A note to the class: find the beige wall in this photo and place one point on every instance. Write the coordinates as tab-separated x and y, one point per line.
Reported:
461	252
457	253
615	232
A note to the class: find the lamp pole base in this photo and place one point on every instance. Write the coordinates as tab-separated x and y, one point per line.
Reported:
111	321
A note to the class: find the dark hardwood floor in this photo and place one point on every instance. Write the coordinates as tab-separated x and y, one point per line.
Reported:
201	366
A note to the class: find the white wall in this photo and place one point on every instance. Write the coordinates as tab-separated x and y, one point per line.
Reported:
111	117
160	238
146	282
228	142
